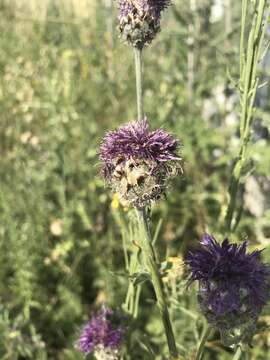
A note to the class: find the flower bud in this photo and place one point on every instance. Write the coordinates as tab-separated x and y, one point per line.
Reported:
139	20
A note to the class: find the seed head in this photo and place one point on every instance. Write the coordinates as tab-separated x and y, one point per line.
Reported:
139	20
233	286
137	162
102	335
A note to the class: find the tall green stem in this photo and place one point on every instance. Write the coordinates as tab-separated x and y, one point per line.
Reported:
202	343
150	261
139	82
249	60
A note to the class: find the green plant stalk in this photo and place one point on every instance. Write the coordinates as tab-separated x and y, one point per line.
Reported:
205	336
146	239
242	35
131	303
238	353
139	81
249	60
151	264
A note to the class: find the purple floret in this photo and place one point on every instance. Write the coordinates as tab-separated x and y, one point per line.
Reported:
101	331
136	141
233	286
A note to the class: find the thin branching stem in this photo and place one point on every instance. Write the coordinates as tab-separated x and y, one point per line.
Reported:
249	60
151	264
139	81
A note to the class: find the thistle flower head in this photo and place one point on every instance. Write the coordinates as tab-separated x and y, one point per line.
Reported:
137	162
135	140
102	335
139	20
233	286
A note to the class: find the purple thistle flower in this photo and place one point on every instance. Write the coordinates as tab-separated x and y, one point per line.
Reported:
137	162
140	20
135	140
233	286
103	333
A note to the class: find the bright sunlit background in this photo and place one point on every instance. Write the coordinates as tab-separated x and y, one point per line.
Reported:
65	79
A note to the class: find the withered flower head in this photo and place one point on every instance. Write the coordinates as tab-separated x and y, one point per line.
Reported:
138	162
139	20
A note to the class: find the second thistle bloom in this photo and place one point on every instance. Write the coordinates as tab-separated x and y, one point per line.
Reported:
138	162
233	287
103	335
139	20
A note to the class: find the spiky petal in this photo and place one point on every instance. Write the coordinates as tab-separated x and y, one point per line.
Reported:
135	140
233	285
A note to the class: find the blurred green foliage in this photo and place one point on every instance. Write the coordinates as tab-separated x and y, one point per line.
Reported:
65	79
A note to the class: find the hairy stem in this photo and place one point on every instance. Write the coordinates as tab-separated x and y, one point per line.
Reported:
202	343
139	82
150	261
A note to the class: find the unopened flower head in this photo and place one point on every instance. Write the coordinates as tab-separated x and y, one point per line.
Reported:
138	162
103	335
233	287
139	20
